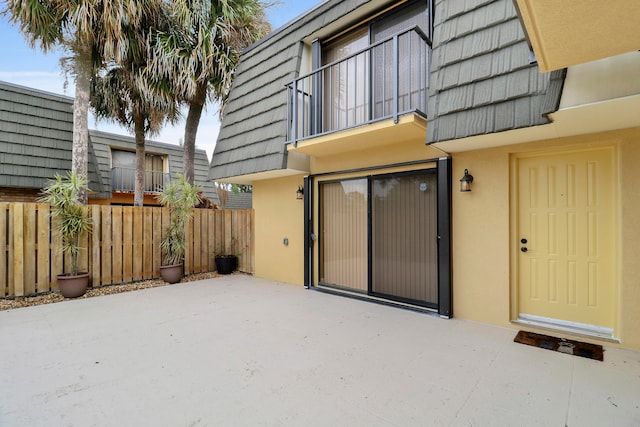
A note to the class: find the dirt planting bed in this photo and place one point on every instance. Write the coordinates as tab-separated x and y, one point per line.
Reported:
19	302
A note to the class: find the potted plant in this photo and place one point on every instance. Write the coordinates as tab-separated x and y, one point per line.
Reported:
179	197
62	194
228	263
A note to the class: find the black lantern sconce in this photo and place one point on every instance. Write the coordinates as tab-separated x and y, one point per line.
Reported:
300	193
465	182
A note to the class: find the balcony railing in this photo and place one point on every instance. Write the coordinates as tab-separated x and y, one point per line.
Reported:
385	80
124	179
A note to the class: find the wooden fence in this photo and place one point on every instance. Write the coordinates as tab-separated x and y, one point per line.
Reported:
124	245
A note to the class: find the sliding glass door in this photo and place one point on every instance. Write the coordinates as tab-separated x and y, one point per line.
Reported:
378	236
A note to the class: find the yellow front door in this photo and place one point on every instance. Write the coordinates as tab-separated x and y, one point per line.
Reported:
566	238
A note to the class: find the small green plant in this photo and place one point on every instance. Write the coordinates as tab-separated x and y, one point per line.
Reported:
179	197
62	194
235	251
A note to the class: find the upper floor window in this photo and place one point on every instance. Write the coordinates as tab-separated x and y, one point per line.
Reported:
123	167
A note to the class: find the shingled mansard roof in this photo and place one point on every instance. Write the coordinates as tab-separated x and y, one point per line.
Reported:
36	136
253	132
481	80
36	131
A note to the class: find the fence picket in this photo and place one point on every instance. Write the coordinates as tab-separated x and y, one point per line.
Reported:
197	235
95	239
18	248
106	276
4	249
204	240
157	238
211	238
228	235
29	249
188	251
44	277
127	244
147	241
116	240
83	255
55	251
137	246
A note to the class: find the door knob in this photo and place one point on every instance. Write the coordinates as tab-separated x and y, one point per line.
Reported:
524	249
523	241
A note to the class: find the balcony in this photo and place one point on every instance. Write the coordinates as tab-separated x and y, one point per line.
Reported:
123	180
386	80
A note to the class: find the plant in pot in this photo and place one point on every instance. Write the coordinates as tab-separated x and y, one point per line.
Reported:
227	263
179	197
62	194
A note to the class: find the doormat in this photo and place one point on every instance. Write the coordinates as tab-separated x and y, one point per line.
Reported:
575	348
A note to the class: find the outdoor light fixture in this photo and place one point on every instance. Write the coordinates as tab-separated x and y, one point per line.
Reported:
300	193
465	181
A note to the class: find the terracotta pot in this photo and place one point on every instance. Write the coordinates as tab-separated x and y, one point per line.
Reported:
226	264
73	286
171	273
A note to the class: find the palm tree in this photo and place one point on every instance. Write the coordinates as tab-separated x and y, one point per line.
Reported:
200	53
126	94
92	31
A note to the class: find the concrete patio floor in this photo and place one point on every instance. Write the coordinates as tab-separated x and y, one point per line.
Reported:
242	351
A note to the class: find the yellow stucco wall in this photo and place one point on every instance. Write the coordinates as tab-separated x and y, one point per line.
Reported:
408	151
279	215
482	237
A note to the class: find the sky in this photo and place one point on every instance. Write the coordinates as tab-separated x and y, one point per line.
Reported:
29	67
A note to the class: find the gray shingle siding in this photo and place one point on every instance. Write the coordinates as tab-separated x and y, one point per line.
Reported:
36	134
253	132
481	79
36	130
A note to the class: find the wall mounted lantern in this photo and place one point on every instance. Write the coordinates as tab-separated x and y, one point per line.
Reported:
465	182
300	193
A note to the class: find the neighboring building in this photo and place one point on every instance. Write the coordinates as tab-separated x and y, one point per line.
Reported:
377	108
36	131
232	200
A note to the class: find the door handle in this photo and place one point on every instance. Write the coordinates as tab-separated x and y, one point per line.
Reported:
524	249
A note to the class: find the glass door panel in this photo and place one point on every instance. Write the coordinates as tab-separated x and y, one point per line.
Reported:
404	233
346	84
343	234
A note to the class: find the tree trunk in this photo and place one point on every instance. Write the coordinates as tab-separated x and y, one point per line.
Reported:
196	106
80	147
138	195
